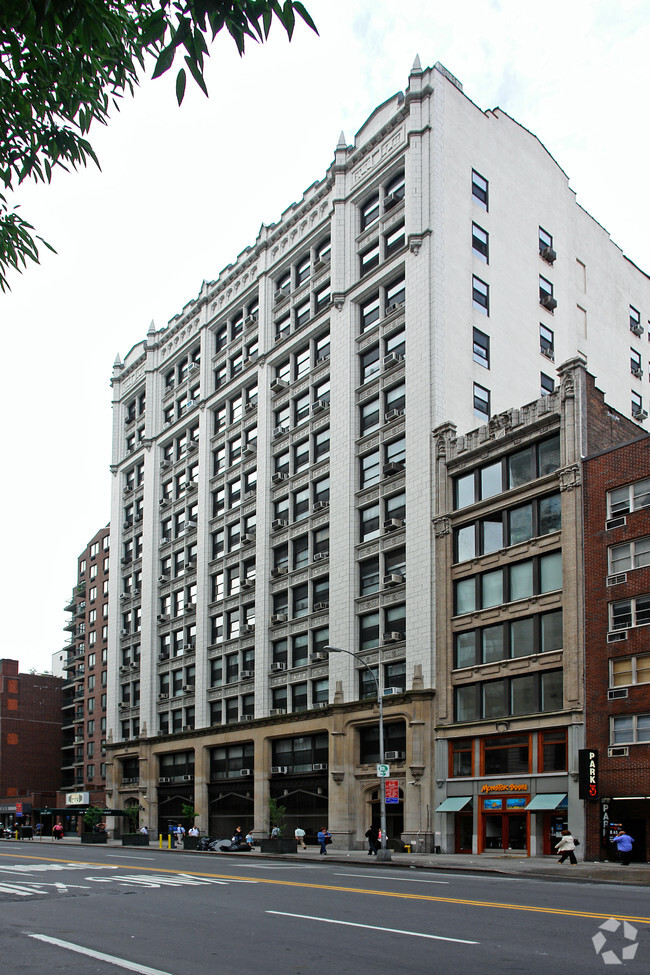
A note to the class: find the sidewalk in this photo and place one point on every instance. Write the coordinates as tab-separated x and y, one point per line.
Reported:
501	864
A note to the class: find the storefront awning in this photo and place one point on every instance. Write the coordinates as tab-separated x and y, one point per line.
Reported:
545	801
453	803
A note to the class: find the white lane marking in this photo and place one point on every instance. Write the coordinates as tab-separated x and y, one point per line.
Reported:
372	927
405	880
123	856
99	955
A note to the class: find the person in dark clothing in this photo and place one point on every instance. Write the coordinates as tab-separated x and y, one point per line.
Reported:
372	835
324	837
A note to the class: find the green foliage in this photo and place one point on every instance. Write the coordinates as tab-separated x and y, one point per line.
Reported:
188	812
277	815
133	813
65	63
92	816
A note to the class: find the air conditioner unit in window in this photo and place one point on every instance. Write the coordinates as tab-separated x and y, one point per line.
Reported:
638	372
319	704
124	668
615	523
188	688
389	691
250	320
245	771
636	328
164	778
640	414
321	505
248	452
548	254
617	637
279	570
393	468
278	665
392	307
248	539
246	717
321	605
163	656
393	524
192	444
549	353
190	526
136	592
247	674
321	556
616	580
394	756
279	431
248	583
126	560
278	524
124	632
318	657
617	751
319	767
280	295
279	769
392	359
163	579
274	712
395	636
393	415
162	618
394	579
124	595
278	385
391	200
188	778
548	302
616	693
127	489
322	358
278	618
164	464
319	405
279	476
190	564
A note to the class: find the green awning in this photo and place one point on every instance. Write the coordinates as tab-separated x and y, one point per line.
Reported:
545	801
453	803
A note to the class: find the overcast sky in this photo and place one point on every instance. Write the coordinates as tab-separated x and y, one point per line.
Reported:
183	191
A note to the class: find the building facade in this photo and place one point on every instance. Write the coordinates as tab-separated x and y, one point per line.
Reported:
30	743
617	613
83	764
273	462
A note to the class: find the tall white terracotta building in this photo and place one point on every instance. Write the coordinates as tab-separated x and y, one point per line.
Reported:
274	465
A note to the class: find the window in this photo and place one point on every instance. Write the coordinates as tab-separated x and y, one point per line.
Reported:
370	211
369	576
637	412
635	321
481	348
394	241
303	269
632	497
514	469
461	757
630	729
370	466
480	242
369	312
503	641
635	363
629	555
481	400
480	295
545	242
395	295
302	314
625	671
480	189
629	612
529	694
519	580
369	523
369	363
394	190
531	520
547	384
369	259
547	342
369	631
546	294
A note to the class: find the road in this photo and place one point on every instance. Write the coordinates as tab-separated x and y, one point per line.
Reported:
98	910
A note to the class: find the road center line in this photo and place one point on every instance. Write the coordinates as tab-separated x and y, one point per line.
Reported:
403	880
372	927
123	856
131	966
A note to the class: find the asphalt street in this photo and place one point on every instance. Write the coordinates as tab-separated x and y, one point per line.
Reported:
89	909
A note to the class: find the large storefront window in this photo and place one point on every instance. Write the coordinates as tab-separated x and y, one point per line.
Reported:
506	755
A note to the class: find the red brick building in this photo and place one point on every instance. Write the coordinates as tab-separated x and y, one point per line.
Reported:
617	637
30	742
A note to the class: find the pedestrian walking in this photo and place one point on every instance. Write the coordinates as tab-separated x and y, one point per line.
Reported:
372	835
193	831
39	829
250	840
180	836
324	837
299	833
566	846
57	831
624	843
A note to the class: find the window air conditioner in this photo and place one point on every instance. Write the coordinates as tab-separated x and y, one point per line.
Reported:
616	580
392	359
279	769
549	353
124	632
321	605
617	636
640	414
395	636
318	656
280	295
393	524
247	674
248	451
636	328
250	320
322	358
188	778
188	688
389	691
278	524
394	756
616	692
393	468
278	385
127	489
164	778
246	717
615	523
278	618
638	372
248	583
548	254
278	665
319	704
162	618
321	505
279	570
394	579
164	464
617	751
548	301
319	767
279	476
394	306
248	539
274	712
162	579
393	415
320	556
163	656
279	431
319	405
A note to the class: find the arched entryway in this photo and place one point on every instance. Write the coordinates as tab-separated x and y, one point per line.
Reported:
394	815
229	809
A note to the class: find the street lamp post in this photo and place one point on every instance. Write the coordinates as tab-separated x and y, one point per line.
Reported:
384	853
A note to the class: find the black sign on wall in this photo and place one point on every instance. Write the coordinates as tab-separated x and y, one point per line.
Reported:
588	773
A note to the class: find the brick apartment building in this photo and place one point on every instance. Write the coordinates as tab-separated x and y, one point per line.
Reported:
617	661
30	742
83	768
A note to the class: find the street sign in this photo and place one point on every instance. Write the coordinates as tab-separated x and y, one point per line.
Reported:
392	790
383	771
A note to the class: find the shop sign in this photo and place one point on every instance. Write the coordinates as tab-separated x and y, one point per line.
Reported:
588	773
506	787
77	798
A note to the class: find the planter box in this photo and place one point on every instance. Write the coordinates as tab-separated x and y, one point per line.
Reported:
278	846
94	837
135	839
189	843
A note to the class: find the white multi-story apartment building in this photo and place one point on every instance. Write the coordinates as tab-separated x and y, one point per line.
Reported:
274	468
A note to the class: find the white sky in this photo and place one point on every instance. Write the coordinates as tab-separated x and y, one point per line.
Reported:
183	191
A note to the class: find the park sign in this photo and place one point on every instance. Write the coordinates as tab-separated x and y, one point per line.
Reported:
392	790
588	773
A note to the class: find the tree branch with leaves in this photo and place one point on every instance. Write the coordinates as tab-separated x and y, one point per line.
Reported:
65	64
